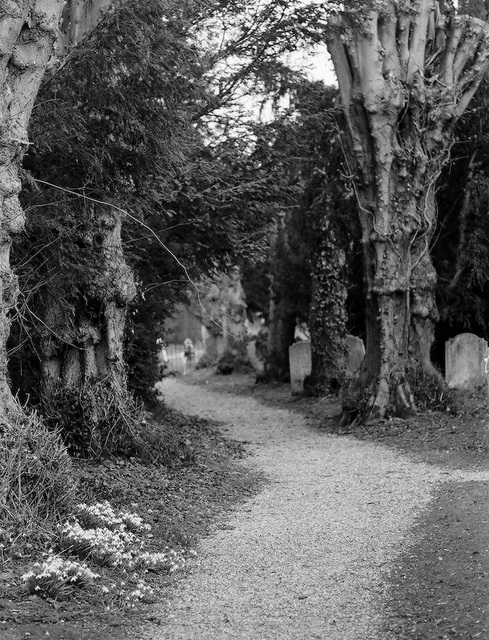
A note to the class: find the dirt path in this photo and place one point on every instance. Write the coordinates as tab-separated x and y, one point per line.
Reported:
311	555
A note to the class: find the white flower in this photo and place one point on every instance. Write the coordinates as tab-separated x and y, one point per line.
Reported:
54	576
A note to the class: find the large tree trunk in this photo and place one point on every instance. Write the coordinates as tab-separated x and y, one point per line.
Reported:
401	309
84	358
406	73
27	36
91	346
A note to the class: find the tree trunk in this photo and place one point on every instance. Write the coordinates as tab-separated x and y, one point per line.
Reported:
406	73
85	357
282	309
27	36
400	283
328	318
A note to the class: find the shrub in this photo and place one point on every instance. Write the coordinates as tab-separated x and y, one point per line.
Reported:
160	441
94	419
205	361
233	362
37	480
429	389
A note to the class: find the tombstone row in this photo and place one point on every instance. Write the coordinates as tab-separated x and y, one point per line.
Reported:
466	361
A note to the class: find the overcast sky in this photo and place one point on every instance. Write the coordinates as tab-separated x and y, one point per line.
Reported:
317	63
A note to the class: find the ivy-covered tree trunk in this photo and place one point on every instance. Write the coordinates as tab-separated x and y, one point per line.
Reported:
327	322
83	355
406	72
90	347
27	36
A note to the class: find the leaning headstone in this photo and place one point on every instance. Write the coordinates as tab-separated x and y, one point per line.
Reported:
300	364
465	361
355	353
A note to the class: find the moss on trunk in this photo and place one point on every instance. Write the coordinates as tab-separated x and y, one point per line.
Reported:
328	317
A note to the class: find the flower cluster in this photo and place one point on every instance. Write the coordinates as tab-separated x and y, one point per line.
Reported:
103	546
107	538
168	561
56	577
102	514
142	592
134	522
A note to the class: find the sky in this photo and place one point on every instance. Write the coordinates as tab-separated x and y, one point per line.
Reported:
317	63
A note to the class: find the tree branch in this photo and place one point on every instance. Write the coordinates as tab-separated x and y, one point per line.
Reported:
417	44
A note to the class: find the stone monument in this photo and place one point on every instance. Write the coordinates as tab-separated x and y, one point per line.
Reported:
466	361
300	364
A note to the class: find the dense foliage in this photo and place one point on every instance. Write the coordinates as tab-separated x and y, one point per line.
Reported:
116	126
306	144
463	230
133	118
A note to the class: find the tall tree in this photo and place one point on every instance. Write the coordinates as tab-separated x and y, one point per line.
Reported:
29	30
113	133
406	72
332	236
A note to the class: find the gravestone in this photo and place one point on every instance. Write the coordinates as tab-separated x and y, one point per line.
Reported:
300	360
466	361
300	364
355	353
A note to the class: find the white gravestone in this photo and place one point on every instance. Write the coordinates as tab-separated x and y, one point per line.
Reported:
466	361
300	360
300	364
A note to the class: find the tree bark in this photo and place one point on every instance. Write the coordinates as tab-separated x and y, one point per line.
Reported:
89	350
282	310
406	73
328	317
27	34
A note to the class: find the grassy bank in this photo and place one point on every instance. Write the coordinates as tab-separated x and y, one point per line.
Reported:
197	480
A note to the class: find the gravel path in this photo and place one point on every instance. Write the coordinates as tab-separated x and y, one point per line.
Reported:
309	556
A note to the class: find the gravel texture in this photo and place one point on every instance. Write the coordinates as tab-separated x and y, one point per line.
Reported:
310	556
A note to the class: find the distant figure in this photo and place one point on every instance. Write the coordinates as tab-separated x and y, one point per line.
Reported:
189	355
301	333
